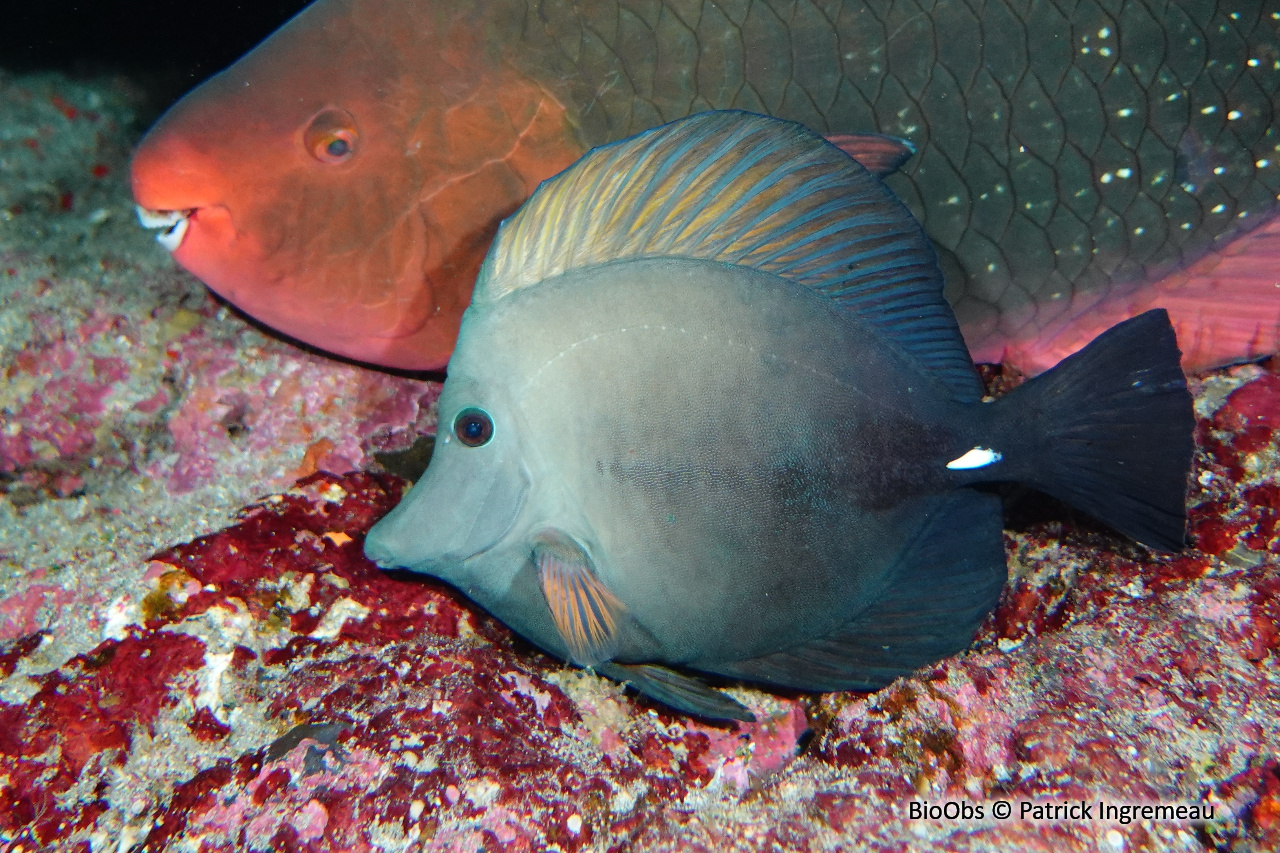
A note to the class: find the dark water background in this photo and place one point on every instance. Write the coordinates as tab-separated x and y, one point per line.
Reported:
165	47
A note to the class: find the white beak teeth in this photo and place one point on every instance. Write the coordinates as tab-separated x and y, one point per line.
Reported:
174	223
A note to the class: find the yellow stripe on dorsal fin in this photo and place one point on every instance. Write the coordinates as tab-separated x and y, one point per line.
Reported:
585	612
747	190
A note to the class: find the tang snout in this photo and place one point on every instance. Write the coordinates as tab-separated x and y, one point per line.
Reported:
465	504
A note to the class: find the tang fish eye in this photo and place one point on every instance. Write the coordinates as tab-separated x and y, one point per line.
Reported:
331	136
473	427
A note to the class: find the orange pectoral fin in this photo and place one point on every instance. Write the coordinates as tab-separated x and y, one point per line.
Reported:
585	612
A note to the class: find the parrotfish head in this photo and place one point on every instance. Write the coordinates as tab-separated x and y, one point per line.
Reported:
319	185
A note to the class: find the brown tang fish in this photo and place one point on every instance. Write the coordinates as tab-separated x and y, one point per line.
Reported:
1078	162
710	413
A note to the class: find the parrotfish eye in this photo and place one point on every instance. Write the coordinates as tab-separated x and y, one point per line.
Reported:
331	136
473	427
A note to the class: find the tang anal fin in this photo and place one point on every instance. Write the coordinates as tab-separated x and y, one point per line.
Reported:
932	603
682	692
584	610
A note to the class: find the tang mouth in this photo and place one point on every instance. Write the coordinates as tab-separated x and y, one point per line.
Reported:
173	223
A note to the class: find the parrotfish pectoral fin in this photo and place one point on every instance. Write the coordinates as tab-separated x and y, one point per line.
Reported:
584	611
1112	431
934	600
878	153
683	693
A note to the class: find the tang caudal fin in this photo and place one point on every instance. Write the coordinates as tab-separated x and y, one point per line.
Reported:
742	189
932	602
1109	431
1225	308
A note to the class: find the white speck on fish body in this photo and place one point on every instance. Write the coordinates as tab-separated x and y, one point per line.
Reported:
978	457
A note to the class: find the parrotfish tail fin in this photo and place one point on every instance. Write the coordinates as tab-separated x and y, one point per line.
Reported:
932	603
1111	431
1225	308
684	693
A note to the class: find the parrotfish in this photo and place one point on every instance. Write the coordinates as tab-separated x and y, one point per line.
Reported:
710	414
1076	162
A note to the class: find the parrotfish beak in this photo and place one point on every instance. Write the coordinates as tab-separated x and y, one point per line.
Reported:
172	181
171	225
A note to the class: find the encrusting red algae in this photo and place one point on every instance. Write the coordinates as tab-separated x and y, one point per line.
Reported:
208	662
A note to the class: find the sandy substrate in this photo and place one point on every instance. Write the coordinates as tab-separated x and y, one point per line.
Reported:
194	655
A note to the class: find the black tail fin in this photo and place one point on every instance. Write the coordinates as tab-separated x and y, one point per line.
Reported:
1114	426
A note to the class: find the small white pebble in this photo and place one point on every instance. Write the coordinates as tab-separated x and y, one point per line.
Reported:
1115	839
416	808
574	823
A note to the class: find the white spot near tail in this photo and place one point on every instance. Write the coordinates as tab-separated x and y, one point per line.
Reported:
979	457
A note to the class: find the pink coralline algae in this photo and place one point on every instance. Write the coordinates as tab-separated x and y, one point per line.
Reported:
57	405
402	713
264	687
20	614
278	400
336	707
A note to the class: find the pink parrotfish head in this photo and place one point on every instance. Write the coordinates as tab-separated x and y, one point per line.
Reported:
342	189
342	182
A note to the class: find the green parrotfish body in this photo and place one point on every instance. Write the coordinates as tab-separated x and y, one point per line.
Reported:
710	413
1077	161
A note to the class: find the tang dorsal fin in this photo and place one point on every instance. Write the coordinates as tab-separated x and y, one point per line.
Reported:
742	189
